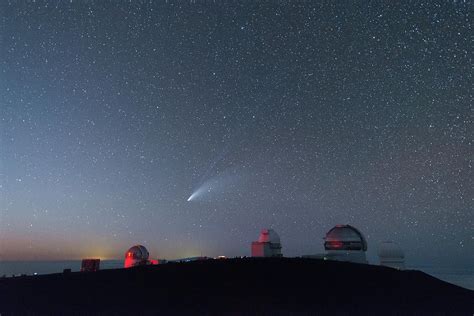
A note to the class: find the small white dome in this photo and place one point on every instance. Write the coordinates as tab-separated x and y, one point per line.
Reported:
137	252
269	235
390	249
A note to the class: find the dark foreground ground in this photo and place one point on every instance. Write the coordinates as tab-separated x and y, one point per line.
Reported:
237	287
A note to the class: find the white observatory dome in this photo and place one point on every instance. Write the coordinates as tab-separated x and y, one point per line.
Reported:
345	237
268	244
391	255
269	235
136	255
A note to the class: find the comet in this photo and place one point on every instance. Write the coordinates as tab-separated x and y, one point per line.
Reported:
223	185
192	196
204	188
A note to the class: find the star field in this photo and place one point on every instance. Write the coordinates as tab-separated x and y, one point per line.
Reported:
301	115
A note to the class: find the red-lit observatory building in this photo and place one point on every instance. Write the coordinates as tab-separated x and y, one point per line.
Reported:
136	256
268	244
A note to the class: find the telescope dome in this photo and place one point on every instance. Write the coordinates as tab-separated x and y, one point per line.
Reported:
268	244
137	252
345	237
269	235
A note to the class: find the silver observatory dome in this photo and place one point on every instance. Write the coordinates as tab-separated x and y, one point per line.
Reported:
345	237
269	235
137	252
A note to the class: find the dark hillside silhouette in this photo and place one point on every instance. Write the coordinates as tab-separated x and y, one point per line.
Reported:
236	286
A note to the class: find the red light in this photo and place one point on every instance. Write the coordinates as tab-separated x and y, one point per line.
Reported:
336	244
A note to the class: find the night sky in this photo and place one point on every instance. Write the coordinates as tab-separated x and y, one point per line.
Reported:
291	115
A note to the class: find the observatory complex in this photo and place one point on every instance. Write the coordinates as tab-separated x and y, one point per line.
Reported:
345	243
268	244
341	243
